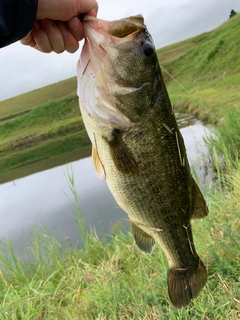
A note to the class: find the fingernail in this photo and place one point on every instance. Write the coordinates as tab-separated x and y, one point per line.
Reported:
93	12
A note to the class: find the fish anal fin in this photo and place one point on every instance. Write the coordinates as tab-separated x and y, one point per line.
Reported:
143	240
200	209
185	284
98	164
122	155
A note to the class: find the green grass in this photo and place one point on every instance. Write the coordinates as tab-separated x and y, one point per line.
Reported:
29	100
114	280
48	130
227	140
51	114
47	149
40	124
208	67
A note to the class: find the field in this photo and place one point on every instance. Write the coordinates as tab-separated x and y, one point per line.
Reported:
47	131
207	72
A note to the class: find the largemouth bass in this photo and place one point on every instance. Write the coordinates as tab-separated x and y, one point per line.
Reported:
138	148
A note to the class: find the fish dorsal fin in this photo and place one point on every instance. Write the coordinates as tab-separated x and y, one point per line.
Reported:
98	164
200	209
122	155
143	240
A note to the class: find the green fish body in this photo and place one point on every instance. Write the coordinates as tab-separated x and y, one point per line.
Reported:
138	148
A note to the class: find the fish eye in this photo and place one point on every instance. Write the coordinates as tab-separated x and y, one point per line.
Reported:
148	48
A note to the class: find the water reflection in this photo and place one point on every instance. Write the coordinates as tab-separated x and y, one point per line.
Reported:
185	119
44	199
198	155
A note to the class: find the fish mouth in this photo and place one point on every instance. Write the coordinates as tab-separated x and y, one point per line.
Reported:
101	35
117	31
116	28
124	27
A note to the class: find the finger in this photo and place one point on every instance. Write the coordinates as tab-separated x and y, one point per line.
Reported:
28	40
93	12
76	28
54	35
70	43
64	10
41	39
89	7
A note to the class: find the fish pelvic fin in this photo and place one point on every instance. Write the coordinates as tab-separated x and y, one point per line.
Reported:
185	284
143	240
200	209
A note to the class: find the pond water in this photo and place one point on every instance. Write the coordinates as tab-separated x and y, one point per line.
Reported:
44	199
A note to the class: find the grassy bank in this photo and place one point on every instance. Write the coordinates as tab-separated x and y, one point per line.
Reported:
208	67
38	125
114	280
25	102
46	131
46	122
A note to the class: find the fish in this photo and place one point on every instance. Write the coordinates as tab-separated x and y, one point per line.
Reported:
137	147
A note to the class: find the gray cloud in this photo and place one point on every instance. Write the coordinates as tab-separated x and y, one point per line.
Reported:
188	18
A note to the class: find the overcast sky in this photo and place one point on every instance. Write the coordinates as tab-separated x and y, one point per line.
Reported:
23	69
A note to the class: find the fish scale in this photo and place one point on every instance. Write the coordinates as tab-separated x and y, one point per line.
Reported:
138	148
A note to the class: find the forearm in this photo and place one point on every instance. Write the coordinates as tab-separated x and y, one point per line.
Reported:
16	19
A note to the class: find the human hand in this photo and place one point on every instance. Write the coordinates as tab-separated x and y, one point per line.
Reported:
57	27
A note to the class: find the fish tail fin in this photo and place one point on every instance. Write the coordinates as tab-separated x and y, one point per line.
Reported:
185	284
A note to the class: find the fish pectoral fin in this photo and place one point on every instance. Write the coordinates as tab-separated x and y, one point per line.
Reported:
143	240
200	209
98	164
122	155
